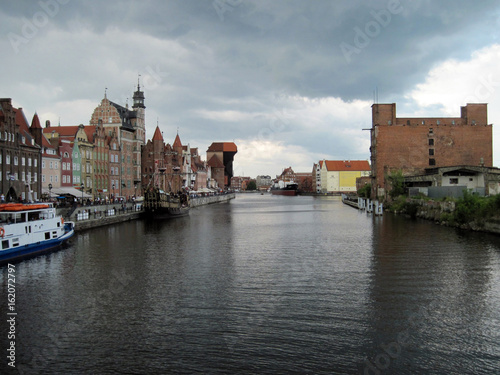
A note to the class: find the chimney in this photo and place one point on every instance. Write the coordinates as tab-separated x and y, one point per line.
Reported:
47	124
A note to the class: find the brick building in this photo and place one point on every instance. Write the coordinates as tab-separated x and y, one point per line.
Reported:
20	155
220	156
414	144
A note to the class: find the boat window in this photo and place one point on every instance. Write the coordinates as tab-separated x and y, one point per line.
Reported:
47	235
15	242
54	234
5	244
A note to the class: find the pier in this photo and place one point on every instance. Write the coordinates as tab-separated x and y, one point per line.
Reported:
364	204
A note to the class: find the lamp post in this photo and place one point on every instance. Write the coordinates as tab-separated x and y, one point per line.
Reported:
113	187
50	192
82	186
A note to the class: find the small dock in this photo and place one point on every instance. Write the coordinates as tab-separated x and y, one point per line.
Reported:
364	204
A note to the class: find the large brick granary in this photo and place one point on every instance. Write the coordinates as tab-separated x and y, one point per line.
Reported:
414	144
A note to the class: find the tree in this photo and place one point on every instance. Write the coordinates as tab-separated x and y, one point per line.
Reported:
397	181
251	185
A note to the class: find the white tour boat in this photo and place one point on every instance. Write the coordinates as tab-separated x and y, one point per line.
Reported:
27	230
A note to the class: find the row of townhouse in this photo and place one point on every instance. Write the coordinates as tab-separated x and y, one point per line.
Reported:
179	167
101	159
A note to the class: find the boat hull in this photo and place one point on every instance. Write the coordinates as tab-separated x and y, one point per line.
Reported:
32	250
166	213
284	192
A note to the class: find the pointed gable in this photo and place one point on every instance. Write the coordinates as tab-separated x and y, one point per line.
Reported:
157	135
177	142
35	123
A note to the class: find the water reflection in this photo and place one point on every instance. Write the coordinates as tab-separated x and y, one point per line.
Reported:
264	285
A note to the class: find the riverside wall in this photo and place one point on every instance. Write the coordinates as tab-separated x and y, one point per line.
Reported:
92	216
201	201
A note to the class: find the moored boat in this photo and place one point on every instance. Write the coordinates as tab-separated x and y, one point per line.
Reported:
285	188
159	204
28	230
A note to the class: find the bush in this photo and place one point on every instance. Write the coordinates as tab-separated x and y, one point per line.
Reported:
365	191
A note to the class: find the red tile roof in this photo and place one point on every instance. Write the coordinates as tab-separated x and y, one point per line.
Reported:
177	142
157	135
35	123
223	146
346	165
63	131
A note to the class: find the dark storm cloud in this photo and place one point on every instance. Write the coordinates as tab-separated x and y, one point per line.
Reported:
213	68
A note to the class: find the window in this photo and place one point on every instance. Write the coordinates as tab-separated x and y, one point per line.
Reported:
453	181
431	131
431	142
431	152
23	161
51	165
29	162
432	161
43	164
15	160
35	162
43	177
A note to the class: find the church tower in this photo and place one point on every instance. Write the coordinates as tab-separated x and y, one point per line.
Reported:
140	110
140	133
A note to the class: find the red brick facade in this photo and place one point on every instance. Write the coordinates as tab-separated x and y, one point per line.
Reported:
413	144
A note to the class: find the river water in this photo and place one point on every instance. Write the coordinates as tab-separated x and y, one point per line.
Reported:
261	285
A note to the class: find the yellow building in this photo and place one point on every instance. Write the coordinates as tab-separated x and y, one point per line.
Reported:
339	176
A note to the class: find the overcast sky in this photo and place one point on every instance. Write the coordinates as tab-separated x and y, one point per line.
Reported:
290	82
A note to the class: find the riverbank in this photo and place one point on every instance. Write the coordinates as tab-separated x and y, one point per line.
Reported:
92	216
449	212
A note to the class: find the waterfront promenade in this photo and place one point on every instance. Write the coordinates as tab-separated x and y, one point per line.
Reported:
91	216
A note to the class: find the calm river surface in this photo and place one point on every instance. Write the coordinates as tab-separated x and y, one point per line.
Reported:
261	285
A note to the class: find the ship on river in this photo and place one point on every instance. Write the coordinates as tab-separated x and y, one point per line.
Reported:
159	204
285	188
27	230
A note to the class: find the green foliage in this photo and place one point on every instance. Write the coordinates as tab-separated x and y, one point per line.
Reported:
396	180
473	208
365	191
252	185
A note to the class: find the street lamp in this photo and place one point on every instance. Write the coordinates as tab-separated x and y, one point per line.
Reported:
82	186
113	186
50	192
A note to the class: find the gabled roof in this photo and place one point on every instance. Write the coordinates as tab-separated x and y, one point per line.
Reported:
157	135
46	144
22	122
125	115
346	165
223	146
214	162
90	130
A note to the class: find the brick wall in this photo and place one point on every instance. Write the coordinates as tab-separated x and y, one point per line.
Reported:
413	144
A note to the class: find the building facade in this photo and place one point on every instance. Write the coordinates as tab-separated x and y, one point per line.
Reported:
339	176
130	129
414	144
20	155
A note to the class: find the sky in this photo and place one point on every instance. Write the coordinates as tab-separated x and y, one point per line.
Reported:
290	82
